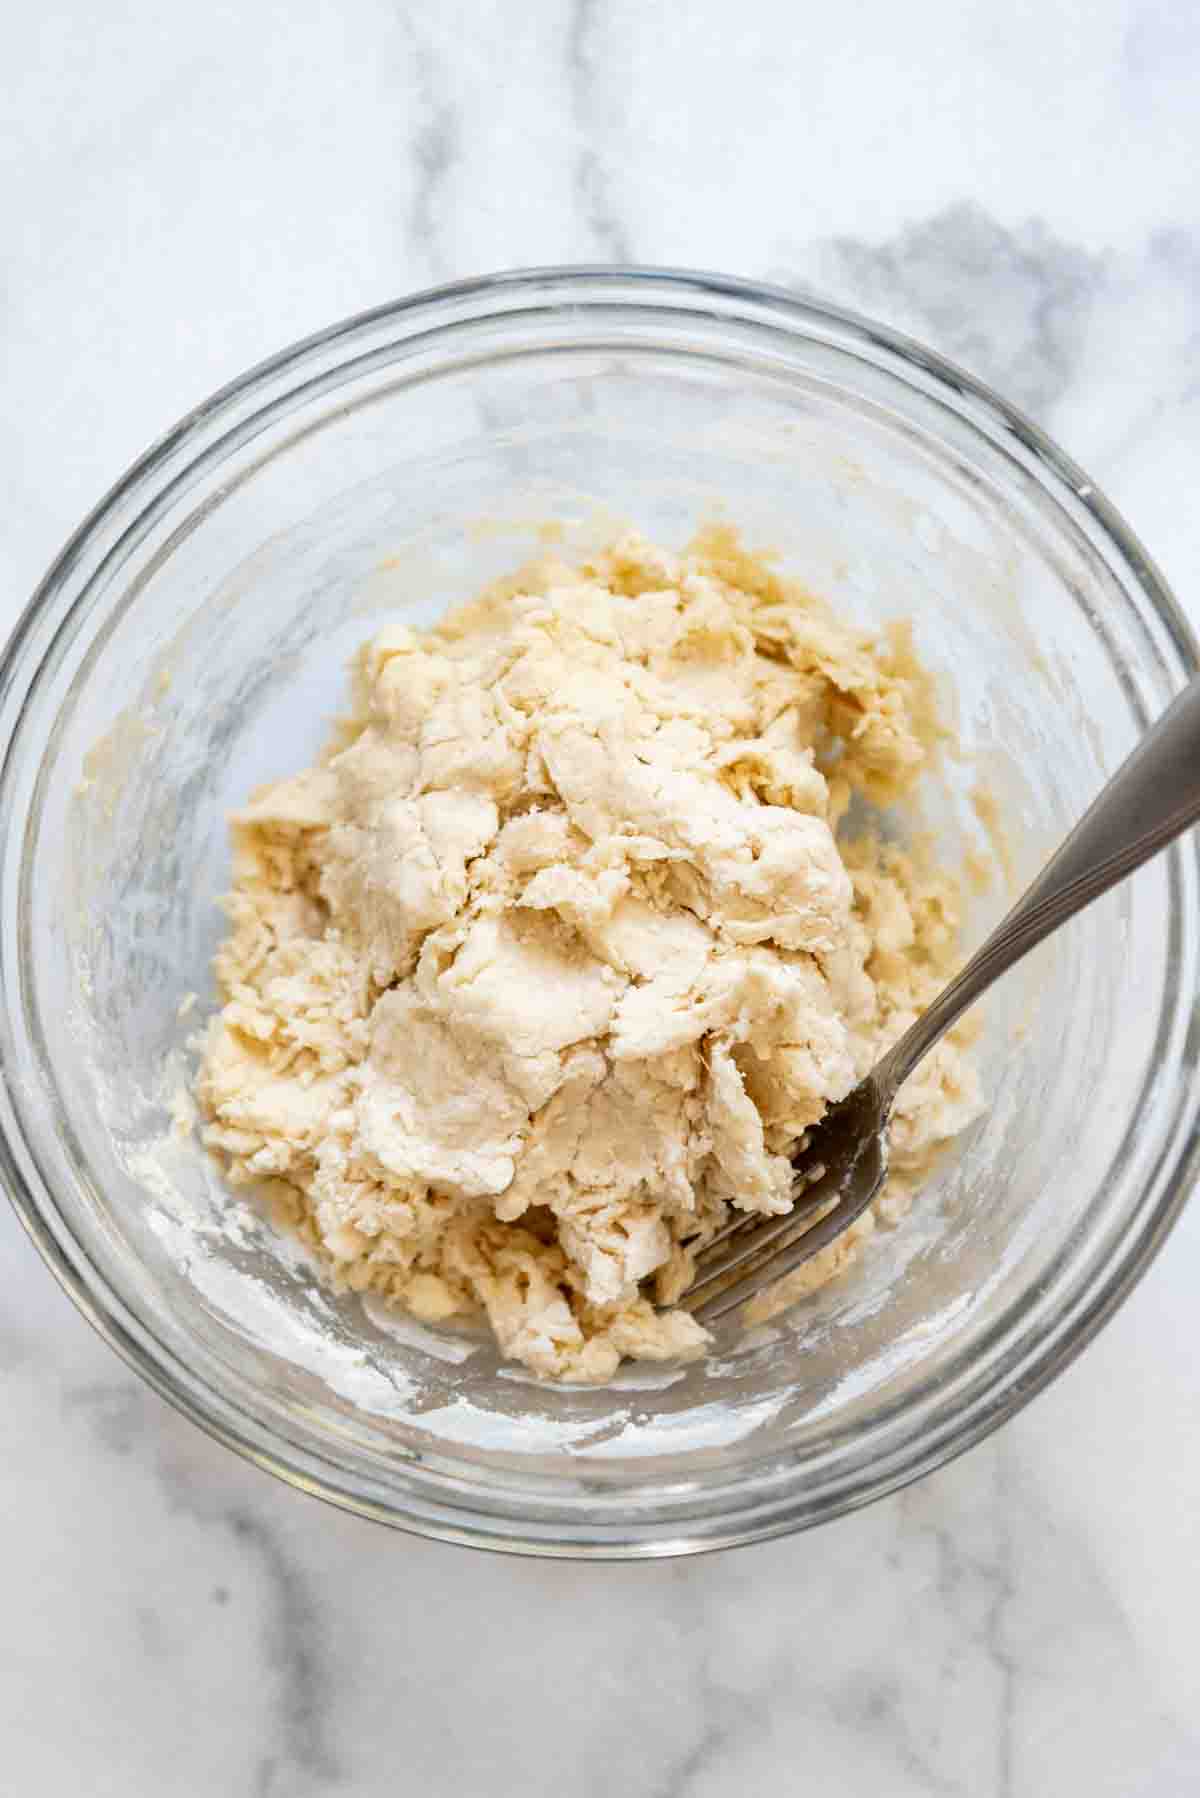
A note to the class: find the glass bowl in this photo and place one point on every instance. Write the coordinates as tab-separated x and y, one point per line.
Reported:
190	641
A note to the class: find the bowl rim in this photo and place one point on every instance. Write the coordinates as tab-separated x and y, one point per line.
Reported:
21	666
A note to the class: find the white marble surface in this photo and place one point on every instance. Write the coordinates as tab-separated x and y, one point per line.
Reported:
184	190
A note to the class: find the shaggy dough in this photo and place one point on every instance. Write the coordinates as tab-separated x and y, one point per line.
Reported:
555	956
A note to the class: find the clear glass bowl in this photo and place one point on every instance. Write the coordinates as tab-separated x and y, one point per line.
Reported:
190	641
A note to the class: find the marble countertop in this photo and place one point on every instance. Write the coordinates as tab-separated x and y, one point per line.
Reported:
187	189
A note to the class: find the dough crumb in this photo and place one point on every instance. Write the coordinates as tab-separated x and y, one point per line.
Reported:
556	954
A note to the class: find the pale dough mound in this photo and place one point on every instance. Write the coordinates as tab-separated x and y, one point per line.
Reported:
554	956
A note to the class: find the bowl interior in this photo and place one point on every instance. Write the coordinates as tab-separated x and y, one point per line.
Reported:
210	656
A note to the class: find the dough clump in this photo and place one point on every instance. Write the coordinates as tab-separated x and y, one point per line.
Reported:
556	955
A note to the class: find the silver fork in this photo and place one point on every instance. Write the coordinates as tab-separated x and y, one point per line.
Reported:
1152	798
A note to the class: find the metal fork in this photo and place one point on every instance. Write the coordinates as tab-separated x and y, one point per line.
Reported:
1152	798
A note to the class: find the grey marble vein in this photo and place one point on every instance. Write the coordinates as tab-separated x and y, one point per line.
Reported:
974	1579
114	1409
1161	406
435	146
1000	1577
125	1420
727	1718
594	122
727	1721
1010	303
880	1708
296	1650
975	1583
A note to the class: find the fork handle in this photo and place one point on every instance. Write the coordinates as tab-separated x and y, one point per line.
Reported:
1150	800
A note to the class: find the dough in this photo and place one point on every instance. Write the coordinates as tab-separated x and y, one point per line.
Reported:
555	955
